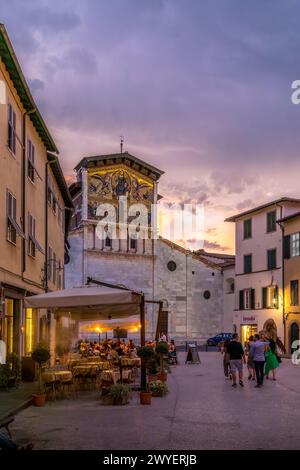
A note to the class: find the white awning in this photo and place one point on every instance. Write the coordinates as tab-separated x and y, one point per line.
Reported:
89	302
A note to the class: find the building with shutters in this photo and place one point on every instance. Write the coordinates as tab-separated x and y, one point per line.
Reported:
290	226
33	214
259	294
190	285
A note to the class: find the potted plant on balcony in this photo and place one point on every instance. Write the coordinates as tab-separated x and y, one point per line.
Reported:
145	353
162	350
119	394
158	388
40	355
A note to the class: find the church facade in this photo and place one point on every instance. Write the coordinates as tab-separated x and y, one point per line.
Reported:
113	240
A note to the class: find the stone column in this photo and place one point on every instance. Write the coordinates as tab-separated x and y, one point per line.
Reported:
84	176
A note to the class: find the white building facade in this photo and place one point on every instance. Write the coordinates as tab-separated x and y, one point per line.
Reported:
258	268
190	285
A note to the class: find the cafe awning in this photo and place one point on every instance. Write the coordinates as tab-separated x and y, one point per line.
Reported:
89	302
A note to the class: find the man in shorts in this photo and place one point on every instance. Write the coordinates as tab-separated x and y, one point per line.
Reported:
236	358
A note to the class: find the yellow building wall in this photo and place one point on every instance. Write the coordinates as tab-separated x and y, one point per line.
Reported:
10	178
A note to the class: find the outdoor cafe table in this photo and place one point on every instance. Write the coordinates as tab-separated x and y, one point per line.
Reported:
114	375
85	369
130	361
56	376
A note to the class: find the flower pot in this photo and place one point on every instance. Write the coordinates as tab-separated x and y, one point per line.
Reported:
162	376
39	399
121	401
152	377
157	394
145	398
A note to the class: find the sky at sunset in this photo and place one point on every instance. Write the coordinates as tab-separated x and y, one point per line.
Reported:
199	88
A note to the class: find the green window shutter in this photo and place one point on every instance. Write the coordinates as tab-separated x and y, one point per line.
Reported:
241	304
252	298
271	259
248	228
264	297
286	247
247	263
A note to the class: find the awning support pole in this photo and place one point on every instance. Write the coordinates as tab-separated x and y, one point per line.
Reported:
143	338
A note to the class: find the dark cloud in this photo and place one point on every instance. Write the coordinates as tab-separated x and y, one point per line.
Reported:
199	89
246	204
36	85
208	245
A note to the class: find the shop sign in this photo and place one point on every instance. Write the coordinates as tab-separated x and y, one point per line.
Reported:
249	319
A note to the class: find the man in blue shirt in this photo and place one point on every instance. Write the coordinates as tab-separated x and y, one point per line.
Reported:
257	353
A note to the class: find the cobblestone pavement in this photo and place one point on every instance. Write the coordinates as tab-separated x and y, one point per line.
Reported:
202	411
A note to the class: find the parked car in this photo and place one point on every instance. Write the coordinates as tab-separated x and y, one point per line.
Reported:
216	340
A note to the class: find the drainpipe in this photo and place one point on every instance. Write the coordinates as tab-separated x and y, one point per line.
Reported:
23	186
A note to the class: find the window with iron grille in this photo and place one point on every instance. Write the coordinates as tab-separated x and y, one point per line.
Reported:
31	236
11	141
11	216
30	160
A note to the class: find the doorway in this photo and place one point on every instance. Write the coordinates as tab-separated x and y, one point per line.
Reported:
246	332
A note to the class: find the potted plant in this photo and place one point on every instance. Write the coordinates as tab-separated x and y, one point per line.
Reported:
145	353
40	355
14	369
162	350
119	394
152	367
4	376
158	388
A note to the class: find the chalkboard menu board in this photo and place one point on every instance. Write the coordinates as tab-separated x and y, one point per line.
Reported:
191	344
192	352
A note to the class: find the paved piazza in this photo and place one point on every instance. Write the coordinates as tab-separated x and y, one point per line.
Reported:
202	411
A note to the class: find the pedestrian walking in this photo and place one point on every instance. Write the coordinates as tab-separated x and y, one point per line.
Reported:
236	358
257	353
226	362
272	362
250	362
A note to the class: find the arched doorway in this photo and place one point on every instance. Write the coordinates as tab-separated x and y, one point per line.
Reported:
294	335
270	329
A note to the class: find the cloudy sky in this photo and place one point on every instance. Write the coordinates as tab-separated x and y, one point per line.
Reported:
199	88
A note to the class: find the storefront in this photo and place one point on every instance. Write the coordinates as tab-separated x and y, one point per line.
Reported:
248	327
19	327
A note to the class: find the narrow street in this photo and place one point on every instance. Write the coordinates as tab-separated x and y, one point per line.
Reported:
202	411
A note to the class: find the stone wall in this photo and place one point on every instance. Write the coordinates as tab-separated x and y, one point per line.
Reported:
181	290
